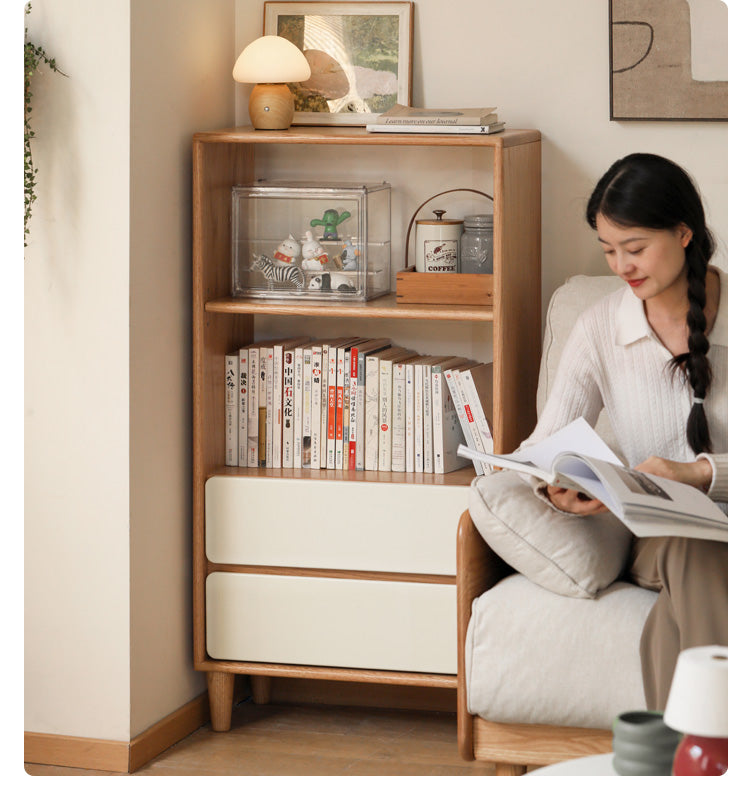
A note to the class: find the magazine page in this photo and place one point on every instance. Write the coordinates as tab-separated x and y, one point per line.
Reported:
637	494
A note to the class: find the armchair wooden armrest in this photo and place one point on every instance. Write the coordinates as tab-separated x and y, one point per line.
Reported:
478	568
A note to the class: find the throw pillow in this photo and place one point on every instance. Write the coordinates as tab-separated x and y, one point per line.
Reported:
567	554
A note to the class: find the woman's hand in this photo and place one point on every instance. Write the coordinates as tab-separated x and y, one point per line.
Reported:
698	474
574	502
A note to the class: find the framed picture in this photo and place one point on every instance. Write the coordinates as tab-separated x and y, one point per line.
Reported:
360	55
668	60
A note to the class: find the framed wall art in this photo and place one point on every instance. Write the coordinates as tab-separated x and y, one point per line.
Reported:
360	55
668	60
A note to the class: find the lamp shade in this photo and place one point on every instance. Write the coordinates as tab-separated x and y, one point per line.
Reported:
698	697
271	59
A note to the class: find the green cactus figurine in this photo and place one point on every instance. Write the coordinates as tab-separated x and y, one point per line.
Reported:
330	220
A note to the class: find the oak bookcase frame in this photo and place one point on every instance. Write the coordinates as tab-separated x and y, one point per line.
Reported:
221	323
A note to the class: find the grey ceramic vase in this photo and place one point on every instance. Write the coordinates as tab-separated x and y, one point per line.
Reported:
643	744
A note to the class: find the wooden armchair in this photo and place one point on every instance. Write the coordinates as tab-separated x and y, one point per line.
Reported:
514	748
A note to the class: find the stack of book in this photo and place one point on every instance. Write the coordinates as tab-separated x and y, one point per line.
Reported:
353	404
457	121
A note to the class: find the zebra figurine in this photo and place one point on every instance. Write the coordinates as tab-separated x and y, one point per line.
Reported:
278	273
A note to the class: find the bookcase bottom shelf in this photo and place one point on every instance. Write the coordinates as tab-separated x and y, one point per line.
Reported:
462	477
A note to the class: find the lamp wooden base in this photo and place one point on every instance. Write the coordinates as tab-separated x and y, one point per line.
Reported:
271	106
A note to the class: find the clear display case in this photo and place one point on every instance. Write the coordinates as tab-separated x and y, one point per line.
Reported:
295	241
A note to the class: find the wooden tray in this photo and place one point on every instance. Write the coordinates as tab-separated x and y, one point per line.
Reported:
450	288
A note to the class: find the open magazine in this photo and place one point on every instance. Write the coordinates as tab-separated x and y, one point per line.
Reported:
576	458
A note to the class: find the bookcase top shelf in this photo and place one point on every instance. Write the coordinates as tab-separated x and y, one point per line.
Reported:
360	137
384	307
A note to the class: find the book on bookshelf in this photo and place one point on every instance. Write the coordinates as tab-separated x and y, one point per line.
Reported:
477	384
385	406
342	380
438	129
446	430
242	395
398	421
357	399
305	451
287	410
231	369
253	390
265	399
283	398
316	404
409	430
371	436
465	418
404	114
423	410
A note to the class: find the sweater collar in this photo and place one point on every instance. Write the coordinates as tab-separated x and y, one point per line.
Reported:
632	324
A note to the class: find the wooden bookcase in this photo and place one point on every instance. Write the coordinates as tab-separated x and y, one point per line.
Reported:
222	324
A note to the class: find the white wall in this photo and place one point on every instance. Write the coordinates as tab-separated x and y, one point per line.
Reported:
108	341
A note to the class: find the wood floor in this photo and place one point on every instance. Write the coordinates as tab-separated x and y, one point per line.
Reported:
312	740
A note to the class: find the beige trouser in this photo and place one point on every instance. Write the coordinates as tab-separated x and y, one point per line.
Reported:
691	610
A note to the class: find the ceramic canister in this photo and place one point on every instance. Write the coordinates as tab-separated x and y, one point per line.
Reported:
643	744
438	244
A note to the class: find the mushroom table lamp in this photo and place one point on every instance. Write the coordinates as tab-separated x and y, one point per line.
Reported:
697	707
270	62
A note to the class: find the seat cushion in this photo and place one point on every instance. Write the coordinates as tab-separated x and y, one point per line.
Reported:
533	657
567	554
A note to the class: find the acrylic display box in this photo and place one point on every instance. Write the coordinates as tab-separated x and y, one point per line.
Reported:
311	242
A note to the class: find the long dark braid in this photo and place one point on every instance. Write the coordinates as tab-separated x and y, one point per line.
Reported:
650	191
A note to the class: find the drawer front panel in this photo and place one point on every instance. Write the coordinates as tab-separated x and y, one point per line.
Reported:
331	622
333	524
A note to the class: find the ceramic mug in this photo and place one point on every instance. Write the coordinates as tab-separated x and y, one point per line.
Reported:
643	744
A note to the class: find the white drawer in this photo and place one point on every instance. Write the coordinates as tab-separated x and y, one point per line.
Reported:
333	525
331	622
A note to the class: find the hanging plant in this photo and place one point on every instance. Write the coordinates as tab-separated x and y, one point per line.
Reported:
32	56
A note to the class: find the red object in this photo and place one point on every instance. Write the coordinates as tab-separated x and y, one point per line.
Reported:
697	756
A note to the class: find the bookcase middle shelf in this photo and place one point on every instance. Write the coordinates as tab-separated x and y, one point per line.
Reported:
383	307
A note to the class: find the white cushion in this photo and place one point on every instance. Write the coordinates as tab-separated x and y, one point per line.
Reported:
535	658
566	554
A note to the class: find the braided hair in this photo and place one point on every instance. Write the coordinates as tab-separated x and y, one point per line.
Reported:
650	191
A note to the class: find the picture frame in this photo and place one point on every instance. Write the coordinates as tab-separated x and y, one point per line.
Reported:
360	55
668	60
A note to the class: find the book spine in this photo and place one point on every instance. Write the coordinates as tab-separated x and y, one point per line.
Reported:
398	428
385	417
263	382
409	434
306	407
345	402
242	390
331	401
267	356
316	406
299	365
474	404
437	421
429	457
451	433
353	408
339	408
287	411
464	129
372	393
418	419
276	425
359	462
436	121
252	407
231	367
465	418
324	406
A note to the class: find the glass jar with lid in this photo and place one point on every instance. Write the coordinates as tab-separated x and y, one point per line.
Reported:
476	244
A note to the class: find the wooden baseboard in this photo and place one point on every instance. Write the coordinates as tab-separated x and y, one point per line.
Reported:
118	756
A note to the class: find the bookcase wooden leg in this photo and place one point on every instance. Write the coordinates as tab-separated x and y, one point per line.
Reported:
507	769
220	696
260	685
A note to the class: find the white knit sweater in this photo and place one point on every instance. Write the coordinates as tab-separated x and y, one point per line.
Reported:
613	359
